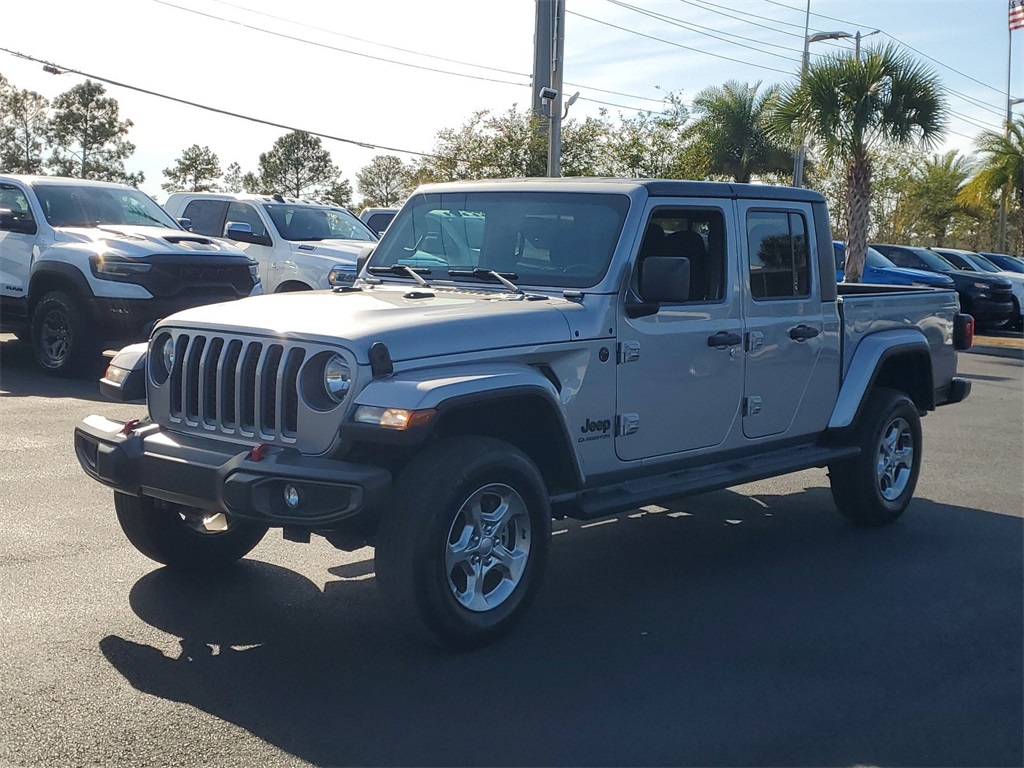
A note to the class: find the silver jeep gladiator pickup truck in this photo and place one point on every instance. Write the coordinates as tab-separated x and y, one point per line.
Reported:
517	351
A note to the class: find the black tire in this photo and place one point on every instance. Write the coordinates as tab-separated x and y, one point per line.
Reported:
61	341
875	487
1016	320
414	541
166	535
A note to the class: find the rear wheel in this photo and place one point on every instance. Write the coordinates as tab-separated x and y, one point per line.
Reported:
462	551
185	537
875	487
61	340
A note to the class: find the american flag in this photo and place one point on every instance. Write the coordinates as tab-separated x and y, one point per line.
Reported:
1016	14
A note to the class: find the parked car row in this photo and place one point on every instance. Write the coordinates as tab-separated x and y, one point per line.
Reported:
990	286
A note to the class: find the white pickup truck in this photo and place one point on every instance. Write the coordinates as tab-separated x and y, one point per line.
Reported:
300	245
515	351
86	263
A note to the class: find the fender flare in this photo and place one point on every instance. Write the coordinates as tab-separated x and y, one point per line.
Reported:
868	359
450	389
66	273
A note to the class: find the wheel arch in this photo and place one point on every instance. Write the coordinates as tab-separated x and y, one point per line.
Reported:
53	276
899	360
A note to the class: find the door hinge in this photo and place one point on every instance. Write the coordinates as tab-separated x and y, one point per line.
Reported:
755	340
751	406
629	351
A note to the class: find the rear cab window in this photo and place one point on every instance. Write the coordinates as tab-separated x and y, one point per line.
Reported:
207	216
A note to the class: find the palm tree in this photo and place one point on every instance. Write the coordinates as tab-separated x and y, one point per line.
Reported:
1001	167
847	108
732	127
933	200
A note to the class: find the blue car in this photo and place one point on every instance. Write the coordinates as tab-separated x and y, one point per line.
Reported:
1005	262
880	271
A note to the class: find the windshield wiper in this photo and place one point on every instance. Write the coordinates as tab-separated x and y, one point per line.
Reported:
489	274
402	269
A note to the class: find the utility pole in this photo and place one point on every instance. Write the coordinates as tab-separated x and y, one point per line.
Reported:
557	65
1006	133
548	48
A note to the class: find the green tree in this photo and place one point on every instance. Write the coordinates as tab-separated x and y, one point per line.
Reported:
338	193
233	178
384	181
732	126
650	145
88	137
197	170
23	120
848	108
933	203
1000	169
297	165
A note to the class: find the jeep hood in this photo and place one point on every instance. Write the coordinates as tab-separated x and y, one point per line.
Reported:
139	242
449	323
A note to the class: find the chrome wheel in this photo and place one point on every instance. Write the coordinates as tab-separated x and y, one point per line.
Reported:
488	547
895	460
56	337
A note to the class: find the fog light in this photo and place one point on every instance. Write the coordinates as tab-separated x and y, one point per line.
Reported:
291	496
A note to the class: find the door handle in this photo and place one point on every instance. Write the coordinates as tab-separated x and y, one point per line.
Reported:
803	333
724	339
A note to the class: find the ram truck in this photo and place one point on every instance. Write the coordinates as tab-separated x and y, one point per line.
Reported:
88	263
518	351
300	245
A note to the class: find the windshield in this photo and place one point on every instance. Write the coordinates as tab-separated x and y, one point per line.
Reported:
308	222
65	205
535	238
982	263
933	260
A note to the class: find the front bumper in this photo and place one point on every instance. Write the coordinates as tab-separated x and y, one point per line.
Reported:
143	460
989	311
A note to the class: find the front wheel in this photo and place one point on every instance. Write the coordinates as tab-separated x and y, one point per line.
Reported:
61	339
875	487
461	552
184	537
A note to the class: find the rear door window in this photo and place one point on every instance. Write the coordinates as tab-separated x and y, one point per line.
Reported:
778	251
207	216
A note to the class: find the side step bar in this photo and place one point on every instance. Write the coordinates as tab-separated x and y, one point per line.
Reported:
594	503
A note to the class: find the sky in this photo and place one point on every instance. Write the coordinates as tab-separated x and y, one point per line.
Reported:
393	73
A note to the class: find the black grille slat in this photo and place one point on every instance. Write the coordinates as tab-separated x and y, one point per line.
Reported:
193	356
290	392
208	381
268	389
248	377
228	417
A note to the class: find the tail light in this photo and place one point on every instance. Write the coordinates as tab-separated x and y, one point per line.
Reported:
963	331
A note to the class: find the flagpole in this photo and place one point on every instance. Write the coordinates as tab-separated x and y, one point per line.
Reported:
1006	133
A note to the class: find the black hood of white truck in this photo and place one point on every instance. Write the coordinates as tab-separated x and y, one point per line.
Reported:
448	323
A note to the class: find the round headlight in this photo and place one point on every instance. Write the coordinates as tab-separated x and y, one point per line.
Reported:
337	378
167	354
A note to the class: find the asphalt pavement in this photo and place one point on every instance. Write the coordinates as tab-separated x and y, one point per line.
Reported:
753	626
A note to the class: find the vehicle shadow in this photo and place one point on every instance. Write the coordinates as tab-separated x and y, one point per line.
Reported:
21	377
722	630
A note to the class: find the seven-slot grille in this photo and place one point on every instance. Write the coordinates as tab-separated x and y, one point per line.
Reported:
245	387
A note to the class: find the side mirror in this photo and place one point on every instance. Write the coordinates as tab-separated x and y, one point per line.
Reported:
363	257
241	232
665	279
185	224
9	222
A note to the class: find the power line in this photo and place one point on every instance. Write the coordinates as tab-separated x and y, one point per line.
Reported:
894	39
677	45
335	48
693	27
62	69
392	61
